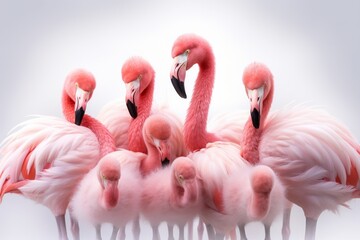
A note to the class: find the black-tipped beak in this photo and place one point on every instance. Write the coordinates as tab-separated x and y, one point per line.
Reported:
132	108
165	162
179	87
79	114
255	117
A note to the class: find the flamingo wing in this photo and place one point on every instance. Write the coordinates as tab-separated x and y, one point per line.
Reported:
214	164
46	153
314	155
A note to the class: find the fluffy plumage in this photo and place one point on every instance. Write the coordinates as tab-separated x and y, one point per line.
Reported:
89	202
53	154
172	195
44	158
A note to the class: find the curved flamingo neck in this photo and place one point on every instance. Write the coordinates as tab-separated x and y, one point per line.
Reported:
68	107
104	137
152	160
135	138
252	136
195	134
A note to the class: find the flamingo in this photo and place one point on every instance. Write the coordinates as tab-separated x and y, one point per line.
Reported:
171	194
126	123
44	158
316	157
251	193
156	133
188	50
110	192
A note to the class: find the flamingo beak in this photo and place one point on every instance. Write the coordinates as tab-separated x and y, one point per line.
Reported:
82	97
255	97
111	193
191	193
165	162
178	73
131	98
255	118
164	151
132	108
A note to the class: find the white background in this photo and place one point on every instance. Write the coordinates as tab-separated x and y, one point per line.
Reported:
312	48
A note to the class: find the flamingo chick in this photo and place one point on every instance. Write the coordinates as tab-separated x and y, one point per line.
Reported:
172	195
156	132
251	193
110	192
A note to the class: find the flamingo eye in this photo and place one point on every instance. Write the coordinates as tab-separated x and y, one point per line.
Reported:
250	93
180	179
260	92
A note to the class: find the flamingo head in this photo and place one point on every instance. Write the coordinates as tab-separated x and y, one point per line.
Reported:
257	79
137	75
157	130
79	86
187	50
185	181
109	173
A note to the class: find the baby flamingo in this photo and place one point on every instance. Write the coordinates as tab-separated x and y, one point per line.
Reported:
252	193
156	132
172	195
110	193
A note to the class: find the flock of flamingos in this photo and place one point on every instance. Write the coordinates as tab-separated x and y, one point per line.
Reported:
136	161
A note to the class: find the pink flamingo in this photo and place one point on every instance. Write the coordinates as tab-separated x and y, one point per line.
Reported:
315	156
156	133
251	193
138	76
44	158
171	194
110	192
190	49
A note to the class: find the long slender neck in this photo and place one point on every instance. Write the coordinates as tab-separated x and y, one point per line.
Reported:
152	160
68	107
136	141
104	137
195	134
252	136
